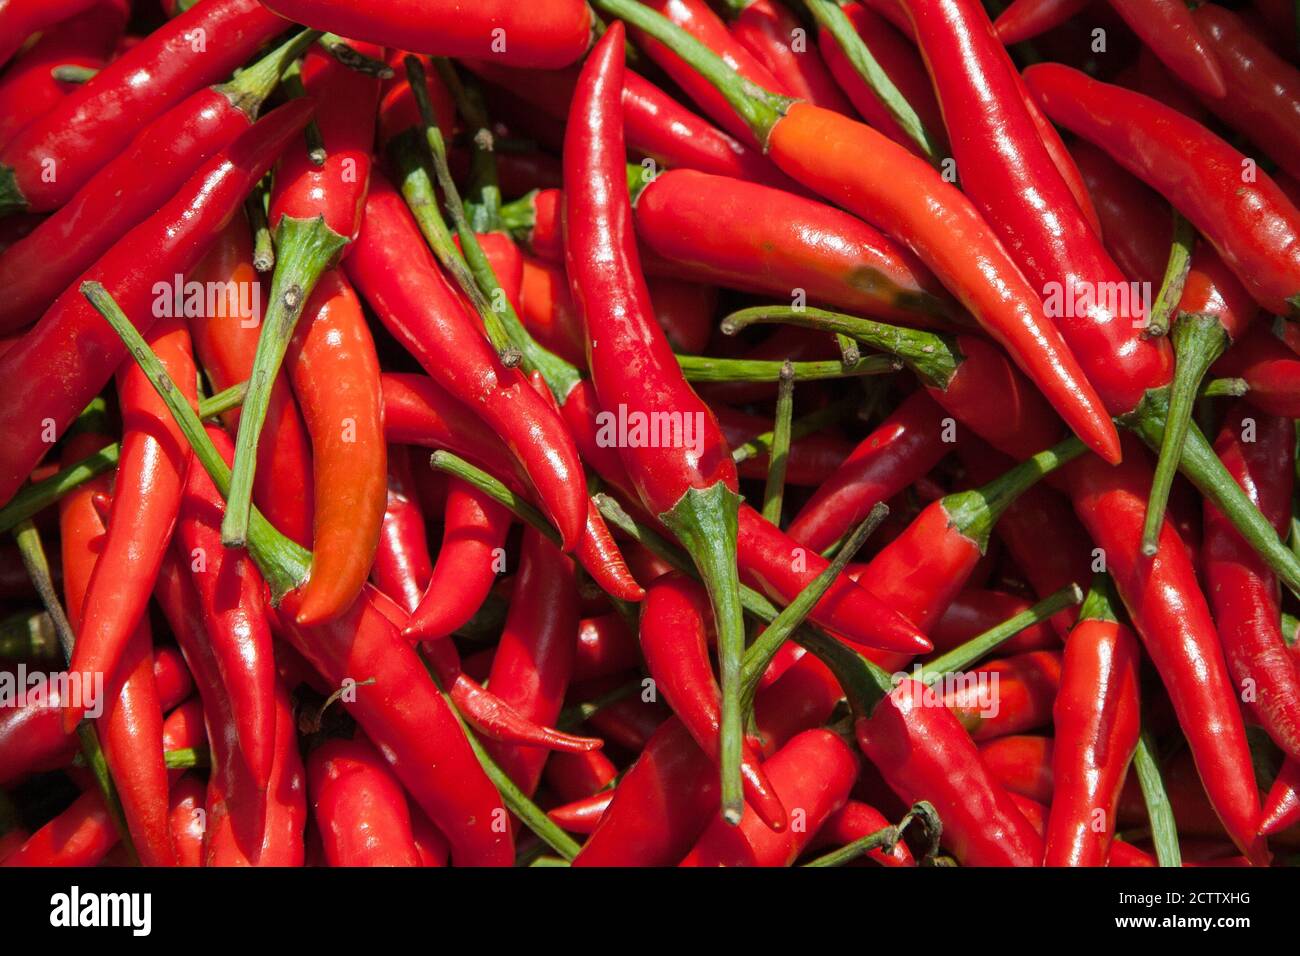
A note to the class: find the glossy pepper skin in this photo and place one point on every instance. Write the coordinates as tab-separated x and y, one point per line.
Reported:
757	238
170	241
335	374
93	124
1168	28
1270	370
402	562
1011	177
674	621
1171	616
434	324
767	29
146	173
1259	451
146	501
924	753
1027	685
1252	225
548	35
225	343
813	772
19	19
130	723
1026	19
1097	721
28	90
359	806
81	835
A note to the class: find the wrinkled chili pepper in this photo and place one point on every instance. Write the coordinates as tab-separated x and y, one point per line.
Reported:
93	124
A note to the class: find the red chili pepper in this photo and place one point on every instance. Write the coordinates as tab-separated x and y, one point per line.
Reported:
1250	222
534	658
130	722
359	806
230	595
1171	616
771	33
94	123
974	611
1259	451
184	729
19	19
905	446
657	125
335	374
188	819
153	165
68	357
430	844
575	776
1097	726
552	33
29	90
1282	806
674	621
434	324
924	753
1169	30
582	815
755	238
1026	688
852	822
1122	199
81	835
898	59
813	772
314	217
226	341
1270	370
810	461
402	565
1025	19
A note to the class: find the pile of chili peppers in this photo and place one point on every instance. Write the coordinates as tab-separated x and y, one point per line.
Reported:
649	433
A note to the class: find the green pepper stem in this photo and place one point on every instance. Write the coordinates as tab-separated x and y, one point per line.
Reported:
306	249
1164	831
1175	277
706	522
980	646
932	357
1198	340
263	247
809	424
760	109
1202	466
974	513
249	90
832	17
73	73
283	563
522	509
1101	602
702	368
774	488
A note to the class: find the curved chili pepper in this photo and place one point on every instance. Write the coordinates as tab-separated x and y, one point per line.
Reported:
402	564
130	724
582	815
550	35
335	374
695	17
188	819
1251	224
1282	806
29	90
1171	33
474	530
575	776
1270	369
146	500
1259	451
755	238
768	31
1027	686
1025	19
225	339
1097	725
423	312
1170	614
855	820
314	216
674	619
230	595
93	124
813	772
657	125
146	173
359	806
81	835
924	753
905	446
57	367
899	61
862	170
534	658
